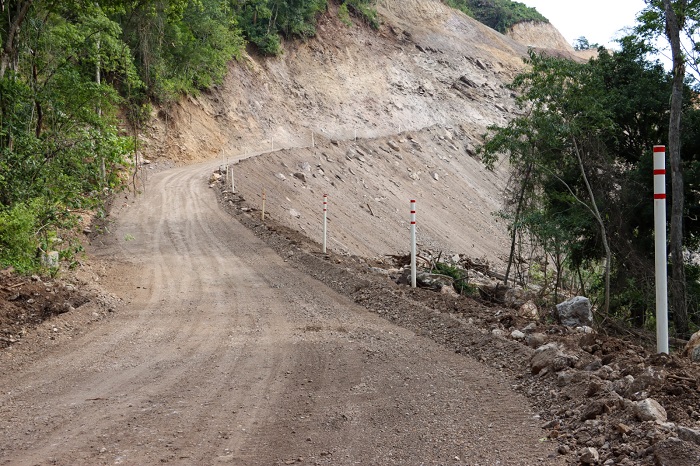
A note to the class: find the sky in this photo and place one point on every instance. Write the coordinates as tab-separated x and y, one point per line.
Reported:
600	21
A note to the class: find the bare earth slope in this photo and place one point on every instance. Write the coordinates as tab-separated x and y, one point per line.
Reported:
225	354
430	72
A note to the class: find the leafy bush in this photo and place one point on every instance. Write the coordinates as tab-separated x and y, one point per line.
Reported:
366	10
18	241
344	15
461	285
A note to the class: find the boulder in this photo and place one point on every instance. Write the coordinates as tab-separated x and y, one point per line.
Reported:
535	340
689	435
650	410
551	358
528	310
300	176
675	452
692	349
576	312
433	281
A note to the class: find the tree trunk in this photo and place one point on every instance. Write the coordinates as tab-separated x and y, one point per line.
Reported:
603	232
679	303
518	211
16	19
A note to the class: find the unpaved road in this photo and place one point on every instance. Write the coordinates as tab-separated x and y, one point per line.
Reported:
225	354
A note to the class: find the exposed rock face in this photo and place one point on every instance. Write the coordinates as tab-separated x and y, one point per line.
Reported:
545	36
539	35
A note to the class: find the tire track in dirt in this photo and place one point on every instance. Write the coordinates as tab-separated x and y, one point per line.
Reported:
225	354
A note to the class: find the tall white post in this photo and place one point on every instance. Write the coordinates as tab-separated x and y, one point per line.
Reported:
313	143
660	249
413	243
325	220
262	214
233	184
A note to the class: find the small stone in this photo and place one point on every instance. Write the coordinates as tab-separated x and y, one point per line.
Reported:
530	327
435	176
593	410
300	176
393	145
536	340
623	429
588	456
517	335
281	176
564	449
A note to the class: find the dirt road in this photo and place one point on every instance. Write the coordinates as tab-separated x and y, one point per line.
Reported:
225	354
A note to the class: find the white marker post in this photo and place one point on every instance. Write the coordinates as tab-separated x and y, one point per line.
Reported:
262	214
660	249
413	243
325	220
233	184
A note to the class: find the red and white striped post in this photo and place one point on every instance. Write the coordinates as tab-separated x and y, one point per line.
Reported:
660	249
325	220
413	243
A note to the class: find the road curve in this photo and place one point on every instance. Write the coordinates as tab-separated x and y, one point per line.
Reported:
224	354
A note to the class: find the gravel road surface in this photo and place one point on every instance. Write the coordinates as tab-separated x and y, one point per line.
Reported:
224	354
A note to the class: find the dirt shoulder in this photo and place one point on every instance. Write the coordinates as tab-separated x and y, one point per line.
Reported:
224	351
589	401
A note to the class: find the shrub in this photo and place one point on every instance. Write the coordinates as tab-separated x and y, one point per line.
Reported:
18	240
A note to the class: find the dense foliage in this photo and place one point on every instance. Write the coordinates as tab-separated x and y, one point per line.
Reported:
69	68
582	159
497	14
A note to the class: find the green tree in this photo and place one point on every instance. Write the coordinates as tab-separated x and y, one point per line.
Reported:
676	19
581	160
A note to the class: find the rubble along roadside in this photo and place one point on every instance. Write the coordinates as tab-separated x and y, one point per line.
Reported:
602	399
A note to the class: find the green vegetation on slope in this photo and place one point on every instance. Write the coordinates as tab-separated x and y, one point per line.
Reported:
497	14
582	190
70	69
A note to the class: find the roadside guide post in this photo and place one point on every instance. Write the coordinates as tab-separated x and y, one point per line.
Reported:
660	249
413	243
325	220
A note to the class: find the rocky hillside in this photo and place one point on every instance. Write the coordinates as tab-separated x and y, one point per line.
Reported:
539	35
431	73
